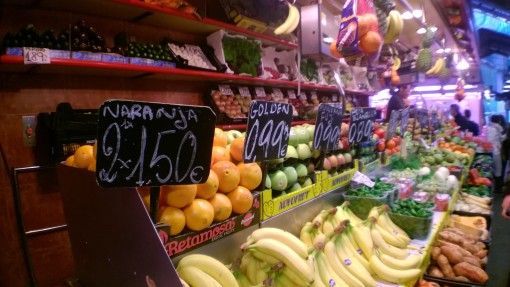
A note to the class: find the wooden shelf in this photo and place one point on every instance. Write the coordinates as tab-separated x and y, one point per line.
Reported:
138	11
14	64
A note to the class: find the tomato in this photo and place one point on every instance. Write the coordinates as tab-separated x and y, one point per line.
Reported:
390	144
397	140
380	133
381	146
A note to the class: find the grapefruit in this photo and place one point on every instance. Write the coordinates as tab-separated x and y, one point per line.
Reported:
175	218
209	188
228	176
219	154
251	175
222	206
237	149
370	42
220	138
199	214
83	156
69	161
179	195
241	199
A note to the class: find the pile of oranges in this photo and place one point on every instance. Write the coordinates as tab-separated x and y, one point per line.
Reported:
227	190
84	157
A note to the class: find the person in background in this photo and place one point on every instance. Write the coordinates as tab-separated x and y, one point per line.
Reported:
495	137
505	207
397	100
459	119
472	126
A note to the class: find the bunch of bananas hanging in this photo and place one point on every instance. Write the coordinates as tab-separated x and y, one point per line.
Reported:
291	22
198	270
439	69
382	10
274	257
395	27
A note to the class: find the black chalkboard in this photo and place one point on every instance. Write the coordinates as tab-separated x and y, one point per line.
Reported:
327	127
392	124
404	119
360	128
267	134
153	144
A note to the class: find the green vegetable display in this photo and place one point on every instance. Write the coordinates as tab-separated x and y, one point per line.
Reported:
400	163
379	189
242	55
309	70
482	190
413	208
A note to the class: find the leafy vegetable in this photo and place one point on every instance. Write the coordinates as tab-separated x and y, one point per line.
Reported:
400	163
309	69
413	208
242	55
380	188
481	190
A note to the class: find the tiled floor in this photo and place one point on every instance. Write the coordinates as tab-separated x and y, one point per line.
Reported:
499	253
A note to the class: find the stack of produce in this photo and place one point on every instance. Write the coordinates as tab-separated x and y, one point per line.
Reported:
483	163
473	225
363	198
235	107
441	182
413	208
476	179
474	199
444	157
459	256
199	270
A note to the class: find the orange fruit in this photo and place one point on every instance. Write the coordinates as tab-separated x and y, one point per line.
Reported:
209	188
199	214
92	165
370	42
366	23
222	206
179	195
251	175
175	218
237	149
219	154
220	138
228	175
69	161
241	199
83	156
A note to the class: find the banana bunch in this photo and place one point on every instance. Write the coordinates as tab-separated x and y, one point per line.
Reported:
291	22
198	270
438	68
277	256
395	27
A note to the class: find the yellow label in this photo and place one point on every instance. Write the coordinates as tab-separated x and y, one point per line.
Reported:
274	206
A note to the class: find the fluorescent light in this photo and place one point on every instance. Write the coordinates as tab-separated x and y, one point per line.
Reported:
435	88
421	31
328	40
407	15
447	50
417	13
462	65
433	28
439	51
487	94
506	86
427	88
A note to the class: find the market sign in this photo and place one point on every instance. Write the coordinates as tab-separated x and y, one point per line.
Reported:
360	128
267	134
327	127
153	144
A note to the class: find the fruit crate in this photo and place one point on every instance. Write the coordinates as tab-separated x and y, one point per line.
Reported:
277	205
361	205
188	241
330	183
415	227
370	167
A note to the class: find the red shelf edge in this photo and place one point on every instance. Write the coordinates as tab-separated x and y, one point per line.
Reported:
206	21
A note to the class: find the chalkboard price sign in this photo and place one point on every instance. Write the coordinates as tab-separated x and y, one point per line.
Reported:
153	144
360	128
392	124
267	134
327	127
404	119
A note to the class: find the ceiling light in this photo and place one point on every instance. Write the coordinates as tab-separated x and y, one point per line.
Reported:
417	13
506	86
427	88
421	31
487	94
407	15
462	65
328	40
433	28
447	50
439	51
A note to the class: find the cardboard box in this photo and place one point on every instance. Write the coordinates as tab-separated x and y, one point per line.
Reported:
371	166
274	206
330	183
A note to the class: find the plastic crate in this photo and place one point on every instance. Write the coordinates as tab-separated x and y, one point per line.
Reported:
415	227
361	205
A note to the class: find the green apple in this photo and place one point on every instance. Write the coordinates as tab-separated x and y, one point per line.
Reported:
295	187
301	170
278	180
291	175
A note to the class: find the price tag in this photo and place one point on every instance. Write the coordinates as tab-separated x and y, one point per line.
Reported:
226	90
302	96
36	56
260	92
334	98
244	91
404	120
278	93
360	128
313	95
267	134
392	124
153	144
362	179
327	128
291	94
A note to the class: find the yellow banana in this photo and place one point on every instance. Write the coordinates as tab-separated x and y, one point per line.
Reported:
328	276
296	22
344	213
287	256
211	266
353	250
338	267
242	281
291	17
329	225
385	221
390	274
264	257
196	277
261	272
385	247
317	281
389	36
389	238
374	212
412	261
352	264
438	66
183	283
321	217
284	237
361	234
293	277
251	270
305	235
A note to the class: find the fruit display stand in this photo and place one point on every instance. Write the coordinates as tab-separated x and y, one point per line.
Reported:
371	166
274	206
329	183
